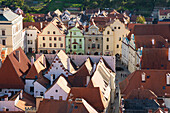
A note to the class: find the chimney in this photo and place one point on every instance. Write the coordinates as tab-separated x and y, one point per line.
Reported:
166	110
21	94
87	80
153	41
41	25
18	55
68	64
51	79
149	111
167	79
0	63
143	76
38	100
32	60
169	54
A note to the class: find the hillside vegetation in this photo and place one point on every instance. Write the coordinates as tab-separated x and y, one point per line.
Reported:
43	6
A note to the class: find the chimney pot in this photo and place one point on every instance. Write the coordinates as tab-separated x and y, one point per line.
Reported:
18	55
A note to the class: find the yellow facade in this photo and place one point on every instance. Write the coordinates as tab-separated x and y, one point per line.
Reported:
112	38
51	39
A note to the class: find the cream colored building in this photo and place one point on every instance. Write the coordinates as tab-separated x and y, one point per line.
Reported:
164	14
11	30
112	37
93	41
52	38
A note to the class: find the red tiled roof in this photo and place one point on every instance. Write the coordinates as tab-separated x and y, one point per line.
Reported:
12	70
79	79
155	58
132	25
146	41
61	106
141	93
164	12
92	95
36	24
36	68
162	22
155	81
153	29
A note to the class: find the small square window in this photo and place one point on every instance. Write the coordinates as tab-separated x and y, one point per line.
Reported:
43	38
55	38
31	89
75	107
56	91
48	32
50	38
41	94
53	32
61	45
118	27
43	44
59	38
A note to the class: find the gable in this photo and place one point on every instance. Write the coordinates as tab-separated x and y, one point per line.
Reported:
51	27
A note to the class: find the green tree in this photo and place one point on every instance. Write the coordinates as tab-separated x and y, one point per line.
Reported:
140	19
28	18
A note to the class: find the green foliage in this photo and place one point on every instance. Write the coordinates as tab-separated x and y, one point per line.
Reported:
28	18
140	19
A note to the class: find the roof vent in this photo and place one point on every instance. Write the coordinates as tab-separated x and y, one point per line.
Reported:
143	76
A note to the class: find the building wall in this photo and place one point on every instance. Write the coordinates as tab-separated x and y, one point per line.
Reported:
125	52
93	36
58	35
28	84
38	88
56	95
8	105
56	69
9	92
115	39
76	36
31	39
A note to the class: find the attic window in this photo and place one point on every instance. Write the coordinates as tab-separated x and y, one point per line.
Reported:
76	107
56	91
56	67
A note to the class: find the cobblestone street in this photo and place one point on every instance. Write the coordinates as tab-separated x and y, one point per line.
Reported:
120	76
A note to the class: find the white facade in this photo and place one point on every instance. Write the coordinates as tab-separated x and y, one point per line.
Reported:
31	37
38	89
59	90
125	52
56	69
11	28
29	83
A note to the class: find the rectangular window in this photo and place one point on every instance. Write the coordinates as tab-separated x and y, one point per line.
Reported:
4	42
41	94
50	38
119	38
3	32
107	39
55	45
74	33
43	44
117	46
53	76
80	40
53	32
74	46
61	45
93	46
55	38
107	47
43	38
88	46
50	44
31	89
59	38
98	46
80	46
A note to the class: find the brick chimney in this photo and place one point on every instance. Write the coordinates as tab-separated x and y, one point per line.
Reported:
169	54
143	75
68	64
18	55
32	60
167	79
51	79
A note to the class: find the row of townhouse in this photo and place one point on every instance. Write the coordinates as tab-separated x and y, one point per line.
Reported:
139	39
96	40
26	86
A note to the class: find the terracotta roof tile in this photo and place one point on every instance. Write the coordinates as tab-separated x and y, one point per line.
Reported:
155	81
12	70
155	58
92	95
